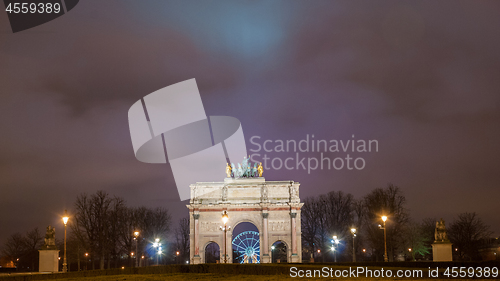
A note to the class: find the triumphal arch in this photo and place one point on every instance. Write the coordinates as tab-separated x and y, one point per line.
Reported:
245	196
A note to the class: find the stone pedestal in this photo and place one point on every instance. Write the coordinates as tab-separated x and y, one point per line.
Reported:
196	260
266	258
49	261
295	258
441	251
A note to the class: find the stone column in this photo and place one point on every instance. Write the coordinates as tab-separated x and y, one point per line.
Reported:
265	240
197	258
293	215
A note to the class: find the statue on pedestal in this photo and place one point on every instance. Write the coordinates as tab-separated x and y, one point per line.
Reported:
440	232
50	238
48	255
441	248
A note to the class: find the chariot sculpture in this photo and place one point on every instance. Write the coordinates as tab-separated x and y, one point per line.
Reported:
244	169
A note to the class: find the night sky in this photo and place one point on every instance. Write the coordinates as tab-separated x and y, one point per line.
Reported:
420	77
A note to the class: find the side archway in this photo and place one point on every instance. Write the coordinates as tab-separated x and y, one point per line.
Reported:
212	252
279	252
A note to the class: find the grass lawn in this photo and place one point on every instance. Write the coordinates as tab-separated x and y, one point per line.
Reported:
212	276
178	276
252	272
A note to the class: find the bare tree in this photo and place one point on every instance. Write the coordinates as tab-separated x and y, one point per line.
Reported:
323	234
391	203
338	211
94	221
324	216
14	248
182	238
116	222
155	223
466	232
32	243
309	220
23	249
150	223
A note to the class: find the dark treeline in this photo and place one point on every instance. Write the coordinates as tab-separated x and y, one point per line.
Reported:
101	235
336	213
104	227
22	250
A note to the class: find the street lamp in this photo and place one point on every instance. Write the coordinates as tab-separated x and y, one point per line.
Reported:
136	234
336	241
353	231
384	218
65	221
333	250
157	244
225	218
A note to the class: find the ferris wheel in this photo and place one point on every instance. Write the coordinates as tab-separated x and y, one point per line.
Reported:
248	247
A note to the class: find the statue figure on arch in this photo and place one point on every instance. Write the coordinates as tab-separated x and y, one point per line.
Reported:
254	170
239	171
229	170
260	169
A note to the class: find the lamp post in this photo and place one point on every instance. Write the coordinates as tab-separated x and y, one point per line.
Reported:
384	218
225	218
136	235
157	244
353	231
334	248
159	254
86	260
65	221
272	253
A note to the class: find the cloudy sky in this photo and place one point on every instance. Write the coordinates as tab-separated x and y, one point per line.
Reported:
420	77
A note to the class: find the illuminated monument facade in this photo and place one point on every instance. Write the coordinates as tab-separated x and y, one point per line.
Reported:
245	196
